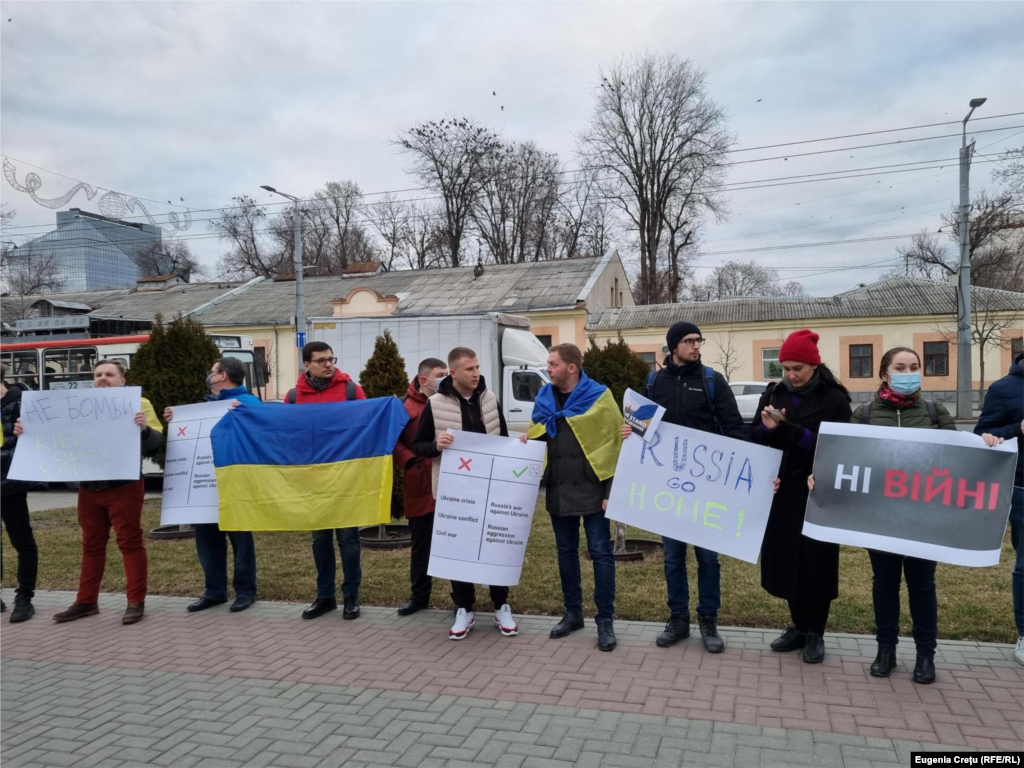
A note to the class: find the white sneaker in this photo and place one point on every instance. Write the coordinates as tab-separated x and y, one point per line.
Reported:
463	625
503	620
1018	654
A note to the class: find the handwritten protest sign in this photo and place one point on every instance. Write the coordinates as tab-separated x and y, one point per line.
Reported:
641	414
707	490
485	501
74	435
190	482
931	493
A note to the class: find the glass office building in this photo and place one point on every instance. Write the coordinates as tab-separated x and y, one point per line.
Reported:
90	252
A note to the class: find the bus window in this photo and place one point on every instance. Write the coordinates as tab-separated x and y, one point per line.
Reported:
21	367
68	368
247	357
124	360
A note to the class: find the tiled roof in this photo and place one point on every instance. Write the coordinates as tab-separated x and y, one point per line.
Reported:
887	298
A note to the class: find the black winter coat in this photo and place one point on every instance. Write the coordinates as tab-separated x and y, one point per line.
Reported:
10	410
572	488
793	566
680	390
1004	410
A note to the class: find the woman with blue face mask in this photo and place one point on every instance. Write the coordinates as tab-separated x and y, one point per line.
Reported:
898	403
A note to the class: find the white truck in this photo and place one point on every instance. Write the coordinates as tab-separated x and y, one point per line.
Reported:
512	360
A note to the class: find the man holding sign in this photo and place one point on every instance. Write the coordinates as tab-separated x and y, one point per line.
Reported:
579	420
225	382
463	403
117	503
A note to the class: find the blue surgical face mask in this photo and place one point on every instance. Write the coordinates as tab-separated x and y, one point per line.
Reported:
905	383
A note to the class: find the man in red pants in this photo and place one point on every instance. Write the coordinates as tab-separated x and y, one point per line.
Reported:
117	503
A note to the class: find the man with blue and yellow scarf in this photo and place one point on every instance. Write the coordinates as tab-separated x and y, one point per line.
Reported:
579	420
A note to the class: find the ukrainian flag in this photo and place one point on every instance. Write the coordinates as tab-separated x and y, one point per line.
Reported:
594	417
306	467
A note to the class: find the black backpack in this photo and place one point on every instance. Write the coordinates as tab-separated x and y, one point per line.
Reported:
350	392
865	414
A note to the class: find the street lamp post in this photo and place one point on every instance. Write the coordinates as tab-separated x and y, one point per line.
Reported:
964	371
301	321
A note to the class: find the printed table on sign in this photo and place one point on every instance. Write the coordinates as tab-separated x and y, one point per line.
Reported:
485	501
190	482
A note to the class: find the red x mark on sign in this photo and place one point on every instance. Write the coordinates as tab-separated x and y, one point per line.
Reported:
181	431
464	464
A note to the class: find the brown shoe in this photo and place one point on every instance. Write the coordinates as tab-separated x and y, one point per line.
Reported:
77	611
133	613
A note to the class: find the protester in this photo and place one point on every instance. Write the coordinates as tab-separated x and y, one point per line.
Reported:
226	381
697	397
14	510
1003	416
416	487
117	503
323	383
464	403
575	415
800	570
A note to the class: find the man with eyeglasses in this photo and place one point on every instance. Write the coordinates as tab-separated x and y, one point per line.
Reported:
323	383
697	397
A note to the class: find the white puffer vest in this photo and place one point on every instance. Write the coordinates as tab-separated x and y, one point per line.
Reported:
447	413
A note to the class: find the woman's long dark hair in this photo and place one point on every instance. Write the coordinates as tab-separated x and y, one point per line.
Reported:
830	379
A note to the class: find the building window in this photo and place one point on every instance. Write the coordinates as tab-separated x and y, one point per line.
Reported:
649	358
861	361
1016	347
936	358
545	339
770	367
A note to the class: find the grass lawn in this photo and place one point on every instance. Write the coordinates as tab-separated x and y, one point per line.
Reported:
974	603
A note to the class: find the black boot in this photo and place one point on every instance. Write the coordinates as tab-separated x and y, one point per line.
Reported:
410	607
319	607
814	648
605	635
202	604
790	640
23	610
351	608
713	642
676	628
924	670
569	624
884	663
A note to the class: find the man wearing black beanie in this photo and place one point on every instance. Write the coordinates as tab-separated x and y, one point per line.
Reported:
697	397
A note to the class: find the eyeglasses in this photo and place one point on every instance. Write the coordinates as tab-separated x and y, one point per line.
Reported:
325	360
693	342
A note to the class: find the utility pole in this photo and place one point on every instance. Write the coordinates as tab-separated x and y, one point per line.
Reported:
301	321
964	369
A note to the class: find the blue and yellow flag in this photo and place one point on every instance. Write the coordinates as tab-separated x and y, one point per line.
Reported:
595	419
306	467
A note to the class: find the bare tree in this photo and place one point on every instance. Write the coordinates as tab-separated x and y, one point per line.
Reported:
23	277
450	156
1011	173
728	356
390	218
170	257
251	255
743	279
660	136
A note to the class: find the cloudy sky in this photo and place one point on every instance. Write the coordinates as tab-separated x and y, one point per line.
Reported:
207	100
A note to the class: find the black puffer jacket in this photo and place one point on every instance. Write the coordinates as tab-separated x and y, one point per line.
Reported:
10	410
682	393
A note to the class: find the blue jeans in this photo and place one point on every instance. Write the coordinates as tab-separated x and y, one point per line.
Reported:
323	556
709	581
1017	535
212	548
599	544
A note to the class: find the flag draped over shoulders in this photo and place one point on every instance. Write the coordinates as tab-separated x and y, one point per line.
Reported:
594	417
152	420
325	465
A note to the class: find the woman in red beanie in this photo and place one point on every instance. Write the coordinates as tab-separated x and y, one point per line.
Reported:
802	571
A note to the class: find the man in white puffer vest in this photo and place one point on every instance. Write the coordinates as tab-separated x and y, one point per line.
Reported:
464	403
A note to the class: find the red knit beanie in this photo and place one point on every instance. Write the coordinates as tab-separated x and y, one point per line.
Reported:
801	347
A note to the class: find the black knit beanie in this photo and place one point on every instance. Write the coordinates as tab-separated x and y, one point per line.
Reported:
677	332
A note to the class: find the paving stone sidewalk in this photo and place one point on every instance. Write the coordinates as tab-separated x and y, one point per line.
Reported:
265	688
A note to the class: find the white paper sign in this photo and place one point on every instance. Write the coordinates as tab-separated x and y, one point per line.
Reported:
74	435
485	501
707	490
190	483
641	414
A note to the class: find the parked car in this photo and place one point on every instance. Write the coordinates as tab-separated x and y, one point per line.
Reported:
747	394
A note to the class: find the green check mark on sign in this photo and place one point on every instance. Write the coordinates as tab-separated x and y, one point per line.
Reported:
521	472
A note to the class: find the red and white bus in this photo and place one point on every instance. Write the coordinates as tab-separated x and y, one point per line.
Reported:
61	363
